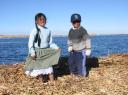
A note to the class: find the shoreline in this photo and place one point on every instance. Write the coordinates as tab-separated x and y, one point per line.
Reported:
26	36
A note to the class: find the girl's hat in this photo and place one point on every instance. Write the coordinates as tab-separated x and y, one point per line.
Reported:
75	17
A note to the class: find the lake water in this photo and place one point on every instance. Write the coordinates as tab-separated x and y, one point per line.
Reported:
13	50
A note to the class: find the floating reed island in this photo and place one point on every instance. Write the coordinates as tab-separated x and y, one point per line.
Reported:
106	76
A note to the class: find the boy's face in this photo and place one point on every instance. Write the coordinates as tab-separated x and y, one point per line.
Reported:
41	21
76	24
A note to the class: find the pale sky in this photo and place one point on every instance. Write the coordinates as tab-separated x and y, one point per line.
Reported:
98	16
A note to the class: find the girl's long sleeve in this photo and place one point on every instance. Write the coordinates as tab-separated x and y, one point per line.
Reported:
31	43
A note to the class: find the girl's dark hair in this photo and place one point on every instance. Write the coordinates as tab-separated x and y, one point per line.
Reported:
37	37
39	15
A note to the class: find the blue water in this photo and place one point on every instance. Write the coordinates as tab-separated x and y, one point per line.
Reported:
13	50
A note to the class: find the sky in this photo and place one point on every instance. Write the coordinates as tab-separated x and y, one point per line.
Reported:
98	16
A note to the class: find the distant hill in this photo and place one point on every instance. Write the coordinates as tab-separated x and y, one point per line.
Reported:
13	36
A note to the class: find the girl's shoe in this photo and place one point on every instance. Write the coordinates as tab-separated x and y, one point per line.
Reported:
51	77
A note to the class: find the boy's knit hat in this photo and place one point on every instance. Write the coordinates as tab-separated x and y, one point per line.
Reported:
75	17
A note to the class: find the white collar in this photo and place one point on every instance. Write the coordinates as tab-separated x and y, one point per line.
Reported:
75	28
40	27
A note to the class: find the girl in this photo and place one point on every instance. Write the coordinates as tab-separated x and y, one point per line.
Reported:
42	52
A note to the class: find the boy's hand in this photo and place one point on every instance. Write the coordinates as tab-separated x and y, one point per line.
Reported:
88	52
70	49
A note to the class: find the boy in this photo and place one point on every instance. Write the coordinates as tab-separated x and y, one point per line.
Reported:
79	46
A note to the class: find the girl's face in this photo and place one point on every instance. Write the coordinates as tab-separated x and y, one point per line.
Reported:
76	24
41	21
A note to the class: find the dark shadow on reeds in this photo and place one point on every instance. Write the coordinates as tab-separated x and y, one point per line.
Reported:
62	67
92	62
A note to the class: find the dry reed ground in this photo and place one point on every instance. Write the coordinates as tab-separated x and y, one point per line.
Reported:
110	78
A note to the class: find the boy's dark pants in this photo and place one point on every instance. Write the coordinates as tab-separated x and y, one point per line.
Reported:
77	62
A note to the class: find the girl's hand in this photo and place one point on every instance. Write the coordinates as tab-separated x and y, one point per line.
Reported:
33	57
59	49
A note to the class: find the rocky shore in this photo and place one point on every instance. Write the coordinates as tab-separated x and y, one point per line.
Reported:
107	76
